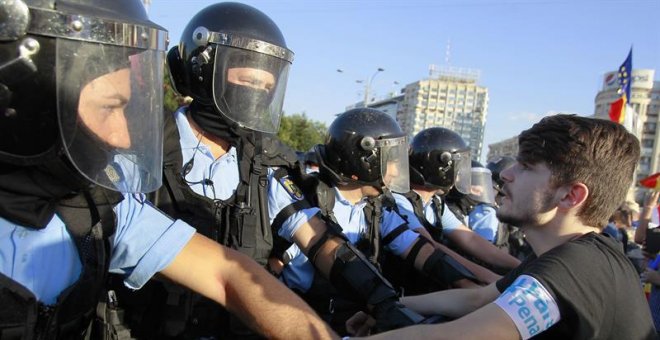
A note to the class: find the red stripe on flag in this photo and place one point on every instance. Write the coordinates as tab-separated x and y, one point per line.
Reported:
617	110
650	182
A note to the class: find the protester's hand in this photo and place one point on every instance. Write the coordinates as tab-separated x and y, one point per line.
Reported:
360	324
650	276
651	200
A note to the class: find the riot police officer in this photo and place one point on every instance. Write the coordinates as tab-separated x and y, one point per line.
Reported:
439	162
362	161
225	171
80	141
476	209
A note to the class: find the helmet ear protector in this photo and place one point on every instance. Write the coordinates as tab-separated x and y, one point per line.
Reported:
446	158
14	26
368	143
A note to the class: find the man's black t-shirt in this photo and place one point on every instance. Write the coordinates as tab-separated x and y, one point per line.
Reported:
596	289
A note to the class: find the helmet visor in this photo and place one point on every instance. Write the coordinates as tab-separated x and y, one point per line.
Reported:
251	89
110	113
394	164
481	188
462	166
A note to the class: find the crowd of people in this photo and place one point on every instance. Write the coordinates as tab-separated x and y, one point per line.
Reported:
119	222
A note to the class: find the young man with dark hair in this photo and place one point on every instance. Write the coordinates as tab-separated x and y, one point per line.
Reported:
572	173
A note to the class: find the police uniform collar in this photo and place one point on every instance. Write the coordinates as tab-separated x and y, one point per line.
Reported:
340	198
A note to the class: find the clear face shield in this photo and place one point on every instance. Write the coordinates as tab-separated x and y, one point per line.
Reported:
462	167
481	188
249	83
110	106
394	163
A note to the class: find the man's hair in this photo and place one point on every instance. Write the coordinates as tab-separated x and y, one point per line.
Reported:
598	153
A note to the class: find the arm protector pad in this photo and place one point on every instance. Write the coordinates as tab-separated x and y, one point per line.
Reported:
332	229
443	268
354	275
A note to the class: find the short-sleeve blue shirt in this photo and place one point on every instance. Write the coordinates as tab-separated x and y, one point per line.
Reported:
219	178
449	220
483	221
299	272
46	261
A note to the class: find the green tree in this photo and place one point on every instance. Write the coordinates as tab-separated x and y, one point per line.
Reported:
171	99
300	132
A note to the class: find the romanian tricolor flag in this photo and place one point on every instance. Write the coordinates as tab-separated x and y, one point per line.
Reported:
618	107
651	182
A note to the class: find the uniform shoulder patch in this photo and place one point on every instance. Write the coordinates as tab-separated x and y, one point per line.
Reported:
291	188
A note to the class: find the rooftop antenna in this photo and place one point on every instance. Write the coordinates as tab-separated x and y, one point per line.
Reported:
448	53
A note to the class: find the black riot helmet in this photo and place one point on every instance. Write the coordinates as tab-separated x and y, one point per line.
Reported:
367	147
496	167
83	78
233	58
440	159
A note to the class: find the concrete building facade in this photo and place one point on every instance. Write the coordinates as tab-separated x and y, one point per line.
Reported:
450	98
645	100
507	147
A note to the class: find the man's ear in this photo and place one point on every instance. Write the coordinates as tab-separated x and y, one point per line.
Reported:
573	195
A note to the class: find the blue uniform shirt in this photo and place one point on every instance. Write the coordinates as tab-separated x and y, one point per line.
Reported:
449	220
219	178
46	261
483	221
299	273
223	172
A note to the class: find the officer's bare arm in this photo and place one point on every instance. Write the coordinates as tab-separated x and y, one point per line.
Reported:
480	248
247	290
309	234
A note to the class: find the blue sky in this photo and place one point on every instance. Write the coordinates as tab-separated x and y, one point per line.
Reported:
536	56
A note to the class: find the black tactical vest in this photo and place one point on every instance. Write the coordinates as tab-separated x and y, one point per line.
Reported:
90	220
240	222
435	229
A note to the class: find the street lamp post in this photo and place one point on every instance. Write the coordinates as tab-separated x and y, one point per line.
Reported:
367	83
367	86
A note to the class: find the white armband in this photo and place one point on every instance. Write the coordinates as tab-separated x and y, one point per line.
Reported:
529	305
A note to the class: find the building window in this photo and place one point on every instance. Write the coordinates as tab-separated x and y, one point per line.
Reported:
649	127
